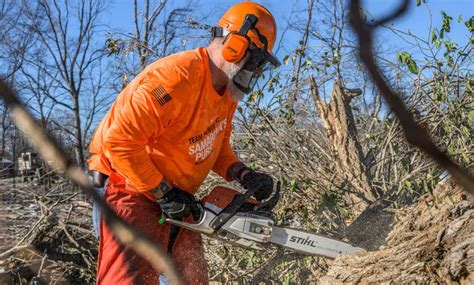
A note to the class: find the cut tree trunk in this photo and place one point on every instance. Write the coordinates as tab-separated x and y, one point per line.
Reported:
341	132
432	242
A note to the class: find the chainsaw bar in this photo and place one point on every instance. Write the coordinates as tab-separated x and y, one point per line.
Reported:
221	219
310	243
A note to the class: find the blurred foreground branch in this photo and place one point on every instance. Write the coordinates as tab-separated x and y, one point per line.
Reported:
414	133
142	244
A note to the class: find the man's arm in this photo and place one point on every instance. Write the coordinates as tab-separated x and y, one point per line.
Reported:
140	119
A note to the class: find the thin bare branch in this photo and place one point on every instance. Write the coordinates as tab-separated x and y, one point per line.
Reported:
414	133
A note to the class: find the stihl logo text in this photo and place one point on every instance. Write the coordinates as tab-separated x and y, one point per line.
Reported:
303	241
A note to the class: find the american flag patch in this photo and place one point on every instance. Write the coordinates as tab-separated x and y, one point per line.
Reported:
161	95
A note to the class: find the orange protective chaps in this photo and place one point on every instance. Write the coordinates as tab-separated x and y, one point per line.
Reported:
118	264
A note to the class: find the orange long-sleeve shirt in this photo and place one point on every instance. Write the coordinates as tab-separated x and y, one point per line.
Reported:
170	123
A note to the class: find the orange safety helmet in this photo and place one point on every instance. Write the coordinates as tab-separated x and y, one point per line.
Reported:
235	44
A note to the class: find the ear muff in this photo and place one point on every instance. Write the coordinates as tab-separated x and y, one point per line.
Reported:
234	47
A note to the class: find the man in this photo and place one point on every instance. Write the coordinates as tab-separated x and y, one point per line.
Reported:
167	130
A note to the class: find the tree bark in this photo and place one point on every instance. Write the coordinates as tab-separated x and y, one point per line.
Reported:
79	143
432	243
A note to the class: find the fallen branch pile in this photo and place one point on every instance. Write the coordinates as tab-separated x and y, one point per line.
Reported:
47	236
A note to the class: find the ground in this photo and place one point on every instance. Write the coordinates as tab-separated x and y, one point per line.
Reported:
46	237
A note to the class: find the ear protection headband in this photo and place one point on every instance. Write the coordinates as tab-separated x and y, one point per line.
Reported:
235	44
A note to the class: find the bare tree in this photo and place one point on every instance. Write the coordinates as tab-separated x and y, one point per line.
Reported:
16	37
66	33
300	54
159	29
6	125
38	84
143	34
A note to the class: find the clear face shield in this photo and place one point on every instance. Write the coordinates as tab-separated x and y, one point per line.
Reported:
259	61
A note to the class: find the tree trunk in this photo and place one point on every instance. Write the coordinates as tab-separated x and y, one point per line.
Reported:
2	152
341	132
77	125
4	131
432	243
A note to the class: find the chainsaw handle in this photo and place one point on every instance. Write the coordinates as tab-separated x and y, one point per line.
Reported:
209	222
201	226
233	207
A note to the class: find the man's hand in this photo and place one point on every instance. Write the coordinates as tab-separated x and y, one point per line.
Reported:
177	204
249	178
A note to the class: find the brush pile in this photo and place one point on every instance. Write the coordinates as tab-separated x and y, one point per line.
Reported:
45	234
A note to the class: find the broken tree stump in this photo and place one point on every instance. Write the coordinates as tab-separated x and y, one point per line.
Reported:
338	120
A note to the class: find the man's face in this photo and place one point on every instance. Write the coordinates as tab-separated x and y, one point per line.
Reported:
231	69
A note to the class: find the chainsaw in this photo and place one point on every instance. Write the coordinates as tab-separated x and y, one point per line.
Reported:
241	220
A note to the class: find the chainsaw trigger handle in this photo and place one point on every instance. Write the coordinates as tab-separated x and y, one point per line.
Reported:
202	226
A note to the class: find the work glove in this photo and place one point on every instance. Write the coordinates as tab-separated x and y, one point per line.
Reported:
177	204
249	178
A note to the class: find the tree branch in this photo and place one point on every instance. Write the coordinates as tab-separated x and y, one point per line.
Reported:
415	134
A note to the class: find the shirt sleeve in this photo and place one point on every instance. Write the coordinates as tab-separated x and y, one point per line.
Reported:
227	155
147	112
